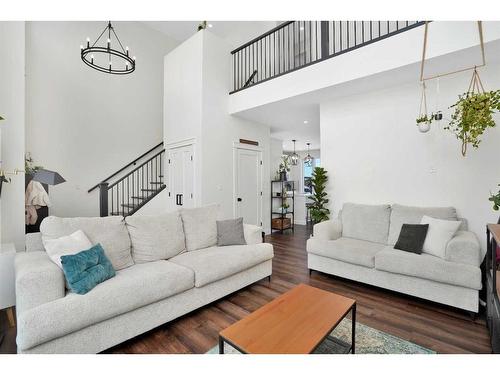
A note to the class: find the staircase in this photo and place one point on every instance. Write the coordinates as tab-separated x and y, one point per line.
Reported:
141	180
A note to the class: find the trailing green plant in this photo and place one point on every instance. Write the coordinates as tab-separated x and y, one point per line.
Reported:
495	198
319	211
473	113
29	165
472	116
425	119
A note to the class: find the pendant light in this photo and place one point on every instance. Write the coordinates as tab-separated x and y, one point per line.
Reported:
308	159
104	58
294	158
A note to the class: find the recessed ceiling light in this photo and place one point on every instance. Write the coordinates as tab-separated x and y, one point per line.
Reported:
306	122
210	25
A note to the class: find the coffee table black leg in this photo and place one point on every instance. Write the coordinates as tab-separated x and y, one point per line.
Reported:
353	339
221	345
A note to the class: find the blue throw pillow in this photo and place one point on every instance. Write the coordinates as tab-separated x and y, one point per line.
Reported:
86	269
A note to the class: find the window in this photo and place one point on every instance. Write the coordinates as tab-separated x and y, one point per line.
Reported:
307	173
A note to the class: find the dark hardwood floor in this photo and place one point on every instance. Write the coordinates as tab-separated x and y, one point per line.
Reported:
440	328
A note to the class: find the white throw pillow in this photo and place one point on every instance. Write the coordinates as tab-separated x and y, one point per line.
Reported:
439	234
66	245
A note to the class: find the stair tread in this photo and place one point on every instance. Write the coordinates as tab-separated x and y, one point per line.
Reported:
157	183
134	197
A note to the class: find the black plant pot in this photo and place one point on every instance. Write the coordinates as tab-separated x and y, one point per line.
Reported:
283	176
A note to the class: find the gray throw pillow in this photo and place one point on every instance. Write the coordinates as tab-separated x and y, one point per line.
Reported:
230	232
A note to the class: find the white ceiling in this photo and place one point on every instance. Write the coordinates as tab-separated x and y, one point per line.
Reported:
286	117
235	33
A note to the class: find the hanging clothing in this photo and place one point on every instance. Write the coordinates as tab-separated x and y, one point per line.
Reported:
35	197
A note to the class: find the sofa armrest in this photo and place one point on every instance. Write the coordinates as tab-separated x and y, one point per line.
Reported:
34	242
253	234
328	230
38	280
464	248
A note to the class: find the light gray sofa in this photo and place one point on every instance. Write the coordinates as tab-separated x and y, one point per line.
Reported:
140	297
359	245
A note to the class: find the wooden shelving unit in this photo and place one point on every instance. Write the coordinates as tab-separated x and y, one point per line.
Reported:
281	220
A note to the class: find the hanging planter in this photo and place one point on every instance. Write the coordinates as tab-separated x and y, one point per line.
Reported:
423	120
473	113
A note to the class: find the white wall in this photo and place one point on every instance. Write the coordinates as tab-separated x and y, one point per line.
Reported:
197	82
373	152
275	156
86	124
12	106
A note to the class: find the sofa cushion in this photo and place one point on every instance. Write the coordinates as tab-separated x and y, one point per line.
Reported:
216	263
428	267
366	222
347	250
200	226
109	231
155	237
413	215
131	288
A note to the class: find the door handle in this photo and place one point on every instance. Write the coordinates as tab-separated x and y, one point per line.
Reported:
180	199
177	200
239	199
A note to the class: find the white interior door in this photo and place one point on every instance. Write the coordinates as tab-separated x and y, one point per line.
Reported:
181	176
248	185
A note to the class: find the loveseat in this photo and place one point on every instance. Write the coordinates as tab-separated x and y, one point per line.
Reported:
166	266
359	245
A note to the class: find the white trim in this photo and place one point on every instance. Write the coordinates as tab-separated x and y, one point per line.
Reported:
246	146
260	151
181	143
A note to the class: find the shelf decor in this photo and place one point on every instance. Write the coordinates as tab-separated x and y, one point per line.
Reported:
106	59
282	205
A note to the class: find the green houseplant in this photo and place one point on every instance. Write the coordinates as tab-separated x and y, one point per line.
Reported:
473	113
495	199
319	211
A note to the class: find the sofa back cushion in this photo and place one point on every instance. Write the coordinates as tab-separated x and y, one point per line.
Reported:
366	222
200	226
413	215
155	237
109	231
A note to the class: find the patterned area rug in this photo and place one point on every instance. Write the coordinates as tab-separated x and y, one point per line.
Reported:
368	341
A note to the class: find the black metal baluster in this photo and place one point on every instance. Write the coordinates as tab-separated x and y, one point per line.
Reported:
387	27
379	29
294	43
304	43
363	31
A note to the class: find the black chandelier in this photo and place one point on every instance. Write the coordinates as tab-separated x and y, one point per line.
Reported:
106	59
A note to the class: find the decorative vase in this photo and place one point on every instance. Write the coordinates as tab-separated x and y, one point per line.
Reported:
283	176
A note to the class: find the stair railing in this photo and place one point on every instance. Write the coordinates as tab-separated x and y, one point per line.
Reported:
137	187
294	45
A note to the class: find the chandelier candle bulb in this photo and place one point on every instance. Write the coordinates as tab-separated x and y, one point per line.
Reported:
88	42
81	47
91	59
126	49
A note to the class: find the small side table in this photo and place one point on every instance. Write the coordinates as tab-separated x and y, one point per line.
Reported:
7	280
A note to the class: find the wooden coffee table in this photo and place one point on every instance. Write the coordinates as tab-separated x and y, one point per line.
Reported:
296	322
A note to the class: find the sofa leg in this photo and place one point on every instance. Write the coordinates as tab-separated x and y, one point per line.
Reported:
310	272
269	279
472	316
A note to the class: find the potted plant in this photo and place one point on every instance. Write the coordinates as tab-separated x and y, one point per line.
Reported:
495	198
473	113
319	211
284	167
284	207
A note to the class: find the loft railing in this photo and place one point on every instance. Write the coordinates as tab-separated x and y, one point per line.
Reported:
137	187
296	44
